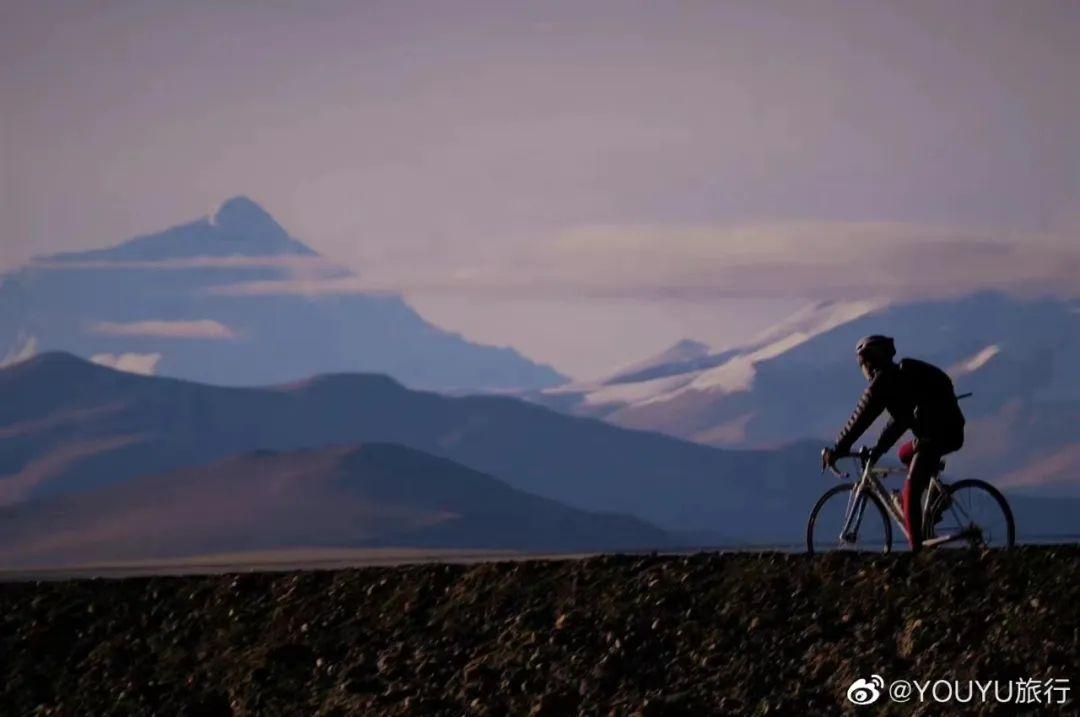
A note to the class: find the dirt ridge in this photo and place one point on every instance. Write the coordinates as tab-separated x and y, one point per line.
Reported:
710	633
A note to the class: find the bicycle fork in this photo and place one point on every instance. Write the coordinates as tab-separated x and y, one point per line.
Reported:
853	515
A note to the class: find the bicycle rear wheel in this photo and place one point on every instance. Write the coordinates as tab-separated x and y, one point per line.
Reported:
975	513
873	531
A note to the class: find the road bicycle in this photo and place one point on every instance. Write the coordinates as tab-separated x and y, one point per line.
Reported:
856	517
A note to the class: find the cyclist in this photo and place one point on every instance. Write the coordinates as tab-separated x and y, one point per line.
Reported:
918	396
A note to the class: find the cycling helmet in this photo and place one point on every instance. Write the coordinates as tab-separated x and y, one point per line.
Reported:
876	344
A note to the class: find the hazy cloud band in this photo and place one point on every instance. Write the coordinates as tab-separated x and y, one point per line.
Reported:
815	260
196	329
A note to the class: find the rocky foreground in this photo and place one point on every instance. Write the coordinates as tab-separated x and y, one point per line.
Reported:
704	634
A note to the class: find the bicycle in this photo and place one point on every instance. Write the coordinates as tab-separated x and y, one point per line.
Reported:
969	513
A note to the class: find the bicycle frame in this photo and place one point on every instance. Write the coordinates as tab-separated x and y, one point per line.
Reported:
870	482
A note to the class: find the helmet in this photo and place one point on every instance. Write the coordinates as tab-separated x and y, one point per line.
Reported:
876	344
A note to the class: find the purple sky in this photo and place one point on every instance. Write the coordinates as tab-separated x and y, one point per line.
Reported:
587	181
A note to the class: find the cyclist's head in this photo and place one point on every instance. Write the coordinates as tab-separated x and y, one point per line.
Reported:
874	353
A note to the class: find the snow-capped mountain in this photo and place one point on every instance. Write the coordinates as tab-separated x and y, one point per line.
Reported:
800	380
234	299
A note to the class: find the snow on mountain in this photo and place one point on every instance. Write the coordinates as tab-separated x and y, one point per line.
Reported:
680	354
693	366
634	392
737	372
799	380
816	319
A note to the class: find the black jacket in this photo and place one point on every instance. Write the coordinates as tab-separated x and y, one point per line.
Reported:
918	396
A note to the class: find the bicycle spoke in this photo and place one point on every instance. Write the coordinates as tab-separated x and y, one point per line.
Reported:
973	516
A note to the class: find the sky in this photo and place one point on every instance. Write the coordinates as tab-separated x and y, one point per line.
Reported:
585	181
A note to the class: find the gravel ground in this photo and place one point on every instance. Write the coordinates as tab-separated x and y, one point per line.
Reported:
736	633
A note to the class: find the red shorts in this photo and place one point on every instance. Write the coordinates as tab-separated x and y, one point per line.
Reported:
906	452
940	447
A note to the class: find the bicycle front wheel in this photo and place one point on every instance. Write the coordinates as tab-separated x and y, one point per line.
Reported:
868	531
972	513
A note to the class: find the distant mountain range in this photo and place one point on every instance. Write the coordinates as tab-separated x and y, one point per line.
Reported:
371	495
799	381
74	430
71	426
233	299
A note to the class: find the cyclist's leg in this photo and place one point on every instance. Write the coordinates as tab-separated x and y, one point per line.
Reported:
923	465
953	441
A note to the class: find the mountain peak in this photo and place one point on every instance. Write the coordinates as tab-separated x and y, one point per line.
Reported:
679	356
686	349
239	227
52	365
241	215
53	358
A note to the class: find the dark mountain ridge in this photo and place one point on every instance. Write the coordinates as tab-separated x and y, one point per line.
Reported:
70	426
370	495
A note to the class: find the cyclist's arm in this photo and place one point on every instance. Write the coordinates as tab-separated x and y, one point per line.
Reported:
870	406
889	436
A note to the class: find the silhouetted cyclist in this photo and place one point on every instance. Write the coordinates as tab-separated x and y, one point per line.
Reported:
918	396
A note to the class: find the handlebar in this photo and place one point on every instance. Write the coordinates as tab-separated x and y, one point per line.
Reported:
863	455
832	468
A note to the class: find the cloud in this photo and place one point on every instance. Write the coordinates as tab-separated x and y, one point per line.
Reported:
305	287
25	347
975	362
195	329
144	364
819	260
302	265
813	260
